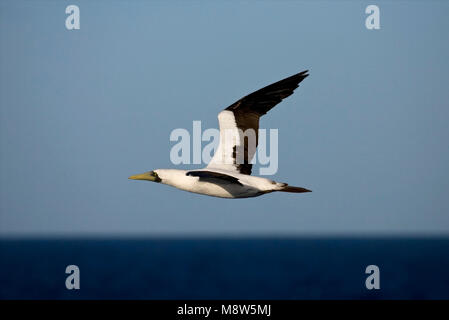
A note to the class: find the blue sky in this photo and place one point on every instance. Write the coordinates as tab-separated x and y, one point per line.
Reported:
82	110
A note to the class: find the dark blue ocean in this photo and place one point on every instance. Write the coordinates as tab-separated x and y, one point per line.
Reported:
205	268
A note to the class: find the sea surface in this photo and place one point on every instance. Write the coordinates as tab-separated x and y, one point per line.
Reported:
225	268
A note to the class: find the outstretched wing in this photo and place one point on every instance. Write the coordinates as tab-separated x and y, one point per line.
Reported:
238	144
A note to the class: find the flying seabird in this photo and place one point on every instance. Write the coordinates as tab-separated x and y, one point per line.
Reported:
228	174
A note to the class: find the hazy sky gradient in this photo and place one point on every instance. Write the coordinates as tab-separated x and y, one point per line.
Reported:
82	110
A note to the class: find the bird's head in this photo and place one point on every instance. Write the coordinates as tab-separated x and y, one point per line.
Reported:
150	176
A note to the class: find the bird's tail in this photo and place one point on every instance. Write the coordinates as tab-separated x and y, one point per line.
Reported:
284	187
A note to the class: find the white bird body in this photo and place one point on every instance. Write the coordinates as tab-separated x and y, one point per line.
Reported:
250	186
228	175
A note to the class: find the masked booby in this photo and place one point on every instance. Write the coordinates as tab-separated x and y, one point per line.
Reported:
228	174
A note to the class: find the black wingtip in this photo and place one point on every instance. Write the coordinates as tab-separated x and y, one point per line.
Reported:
304	73
299	77
294	80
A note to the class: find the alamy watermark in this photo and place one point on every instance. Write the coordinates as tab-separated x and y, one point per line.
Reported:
372	22
232	146
72	22
73	280
373	280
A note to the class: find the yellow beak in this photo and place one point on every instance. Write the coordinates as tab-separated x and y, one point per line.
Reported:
150	176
